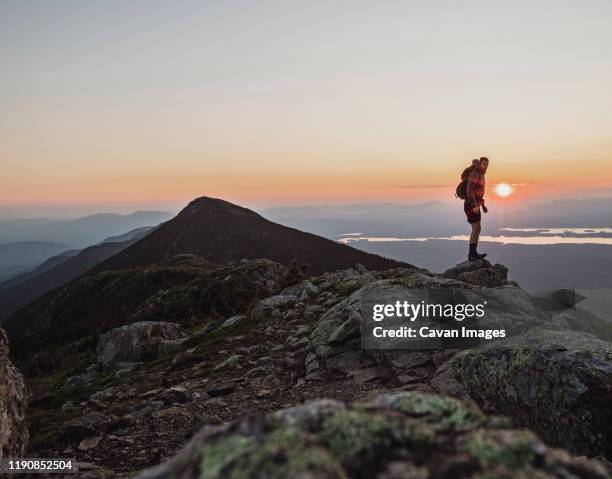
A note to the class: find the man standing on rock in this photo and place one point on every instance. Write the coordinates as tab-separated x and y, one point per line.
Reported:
474	201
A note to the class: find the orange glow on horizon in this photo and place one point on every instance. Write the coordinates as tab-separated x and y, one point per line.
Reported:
304	190
294	182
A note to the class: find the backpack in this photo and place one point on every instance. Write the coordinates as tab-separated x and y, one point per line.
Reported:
460	191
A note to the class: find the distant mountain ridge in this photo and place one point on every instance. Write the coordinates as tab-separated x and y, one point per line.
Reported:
130	235
436	218
20	256
59	270
79	232
46	265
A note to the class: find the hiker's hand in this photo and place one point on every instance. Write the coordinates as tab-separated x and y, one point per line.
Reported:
476	209
485	209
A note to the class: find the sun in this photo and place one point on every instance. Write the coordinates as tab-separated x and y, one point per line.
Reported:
504	190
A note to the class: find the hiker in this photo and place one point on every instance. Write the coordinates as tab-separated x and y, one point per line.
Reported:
474	201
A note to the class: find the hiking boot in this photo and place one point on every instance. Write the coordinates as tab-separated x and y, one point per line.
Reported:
476	256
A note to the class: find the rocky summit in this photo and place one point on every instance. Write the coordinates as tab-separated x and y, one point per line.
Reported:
194	366
203	346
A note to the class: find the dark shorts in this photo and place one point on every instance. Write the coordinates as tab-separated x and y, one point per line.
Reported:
471	216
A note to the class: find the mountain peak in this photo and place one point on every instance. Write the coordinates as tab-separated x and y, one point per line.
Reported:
205	205
220	231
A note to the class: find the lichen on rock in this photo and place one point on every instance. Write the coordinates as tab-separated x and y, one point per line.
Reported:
429	434
558	383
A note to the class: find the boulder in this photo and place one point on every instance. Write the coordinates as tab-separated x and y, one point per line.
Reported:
135	342
232	361
303	290
171	345
339	281
270	307
390	436
13	428
479	272
89	443
558	383
233	321
82	379
337	331
92	424
175	395
577	319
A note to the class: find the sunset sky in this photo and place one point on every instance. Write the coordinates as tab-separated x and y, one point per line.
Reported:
116	106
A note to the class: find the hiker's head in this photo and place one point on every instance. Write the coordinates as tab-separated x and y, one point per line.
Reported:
484	163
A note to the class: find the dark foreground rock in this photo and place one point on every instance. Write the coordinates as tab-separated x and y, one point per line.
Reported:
558	383
13	430
390	436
